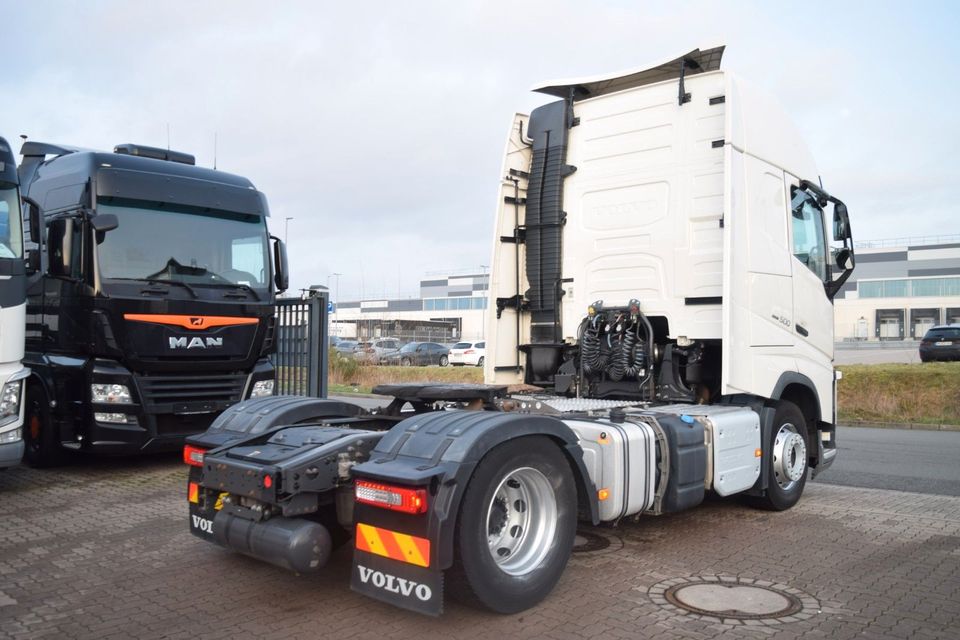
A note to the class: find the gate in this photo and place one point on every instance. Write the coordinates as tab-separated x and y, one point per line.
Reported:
301	354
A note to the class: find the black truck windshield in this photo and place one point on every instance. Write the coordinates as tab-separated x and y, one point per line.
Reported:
194	248
11	244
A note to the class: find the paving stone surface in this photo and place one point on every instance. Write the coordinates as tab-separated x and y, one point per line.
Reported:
101	550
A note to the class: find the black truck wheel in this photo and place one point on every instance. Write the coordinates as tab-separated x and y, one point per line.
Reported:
516	526
42	448
786	461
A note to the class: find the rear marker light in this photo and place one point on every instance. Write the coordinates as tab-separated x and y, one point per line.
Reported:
391	497
267	482
603	494
193	492
193	455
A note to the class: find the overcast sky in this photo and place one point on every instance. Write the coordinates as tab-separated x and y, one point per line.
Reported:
378	127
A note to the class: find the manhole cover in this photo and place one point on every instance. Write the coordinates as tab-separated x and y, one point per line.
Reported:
587	541
734	600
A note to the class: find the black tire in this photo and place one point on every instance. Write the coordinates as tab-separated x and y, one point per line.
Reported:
42	448
784	491
444	361
480	362
405	362
476	577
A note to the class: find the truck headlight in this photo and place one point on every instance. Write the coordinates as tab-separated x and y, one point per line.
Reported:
110	393
10	400
115	418
262	388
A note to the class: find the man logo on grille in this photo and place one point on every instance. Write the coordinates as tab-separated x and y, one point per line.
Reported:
195	343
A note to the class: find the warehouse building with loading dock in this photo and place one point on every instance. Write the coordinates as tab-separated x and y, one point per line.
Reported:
900	289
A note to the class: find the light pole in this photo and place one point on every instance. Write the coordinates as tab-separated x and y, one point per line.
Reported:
336	303
286	229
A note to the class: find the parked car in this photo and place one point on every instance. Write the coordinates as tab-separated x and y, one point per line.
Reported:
468	353
419	354
373	351
346	347
941	342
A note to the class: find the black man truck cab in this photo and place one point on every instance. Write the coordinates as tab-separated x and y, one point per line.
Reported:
150	299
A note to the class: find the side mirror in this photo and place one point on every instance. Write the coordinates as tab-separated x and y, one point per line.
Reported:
104	222
281	273
845	259
31	258
60	246
841	222
33	218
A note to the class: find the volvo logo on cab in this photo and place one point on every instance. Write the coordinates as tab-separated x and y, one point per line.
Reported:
195	343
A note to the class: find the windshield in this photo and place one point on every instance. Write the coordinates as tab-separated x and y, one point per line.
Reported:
11	238
944	332
193	247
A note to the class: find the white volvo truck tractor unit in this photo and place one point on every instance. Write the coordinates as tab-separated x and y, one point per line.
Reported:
661	326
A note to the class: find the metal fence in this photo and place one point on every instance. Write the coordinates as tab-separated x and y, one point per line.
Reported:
301	339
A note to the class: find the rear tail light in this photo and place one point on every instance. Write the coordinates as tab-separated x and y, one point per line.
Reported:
392	497
193	455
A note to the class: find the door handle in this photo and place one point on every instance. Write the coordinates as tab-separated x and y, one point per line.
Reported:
802	331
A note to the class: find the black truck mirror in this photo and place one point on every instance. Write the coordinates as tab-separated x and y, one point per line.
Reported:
845	259
31	258
33	218
841	222
104	222
281	274
59	246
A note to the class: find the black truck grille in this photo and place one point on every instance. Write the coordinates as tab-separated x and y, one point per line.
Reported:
188	393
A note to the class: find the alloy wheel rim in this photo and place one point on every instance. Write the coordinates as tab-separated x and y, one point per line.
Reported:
789	457
521	521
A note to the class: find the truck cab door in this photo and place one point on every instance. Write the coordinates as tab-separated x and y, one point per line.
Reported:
812	309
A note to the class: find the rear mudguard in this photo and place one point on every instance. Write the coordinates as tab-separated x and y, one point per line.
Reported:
258	415
440	451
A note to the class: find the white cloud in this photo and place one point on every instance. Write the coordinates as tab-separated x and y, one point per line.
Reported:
378	126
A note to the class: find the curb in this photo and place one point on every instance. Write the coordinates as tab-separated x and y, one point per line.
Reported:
918	426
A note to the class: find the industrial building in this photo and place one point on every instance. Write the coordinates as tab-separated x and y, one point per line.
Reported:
899	289
449	308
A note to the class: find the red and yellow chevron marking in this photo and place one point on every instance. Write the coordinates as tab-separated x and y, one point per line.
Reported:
393	545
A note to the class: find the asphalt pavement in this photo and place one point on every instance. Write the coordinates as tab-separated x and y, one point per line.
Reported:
898	459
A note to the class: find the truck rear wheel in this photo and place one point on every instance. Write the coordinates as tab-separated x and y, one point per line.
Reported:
42	448
516	526
787	459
